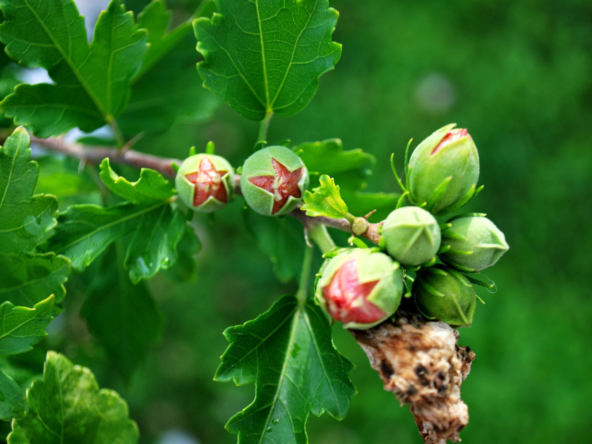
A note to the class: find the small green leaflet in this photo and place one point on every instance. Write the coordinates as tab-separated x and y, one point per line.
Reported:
154	244
282	239
24	218
167	88
266	56
22	327
123	316
92	82
325	200
150	188
350	169
13	403
288	353
67	407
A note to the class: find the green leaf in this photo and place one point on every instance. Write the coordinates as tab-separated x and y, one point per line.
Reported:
24	218
28	279
22	327
92	82
288	353
85	231
67	407
154	244
156	19
12	398
150	188
123	316
325	200
350	169
167	89
266	56
282	239
8	81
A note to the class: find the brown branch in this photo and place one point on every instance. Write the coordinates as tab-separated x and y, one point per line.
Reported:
163	165
421	363
97	154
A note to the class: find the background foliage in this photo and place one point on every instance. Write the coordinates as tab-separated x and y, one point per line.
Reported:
517	74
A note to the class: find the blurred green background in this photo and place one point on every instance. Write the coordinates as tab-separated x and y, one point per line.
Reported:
518	75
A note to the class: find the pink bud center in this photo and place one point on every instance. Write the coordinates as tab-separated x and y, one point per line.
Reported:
283	184
347	299
208	183
450	137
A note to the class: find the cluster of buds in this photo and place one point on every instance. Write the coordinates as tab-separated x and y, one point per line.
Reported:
442	176
363	287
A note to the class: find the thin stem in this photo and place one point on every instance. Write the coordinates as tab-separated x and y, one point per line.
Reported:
117	132
264	127
97	154
302	293
322	238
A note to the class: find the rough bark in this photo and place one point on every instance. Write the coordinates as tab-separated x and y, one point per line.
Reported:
422	364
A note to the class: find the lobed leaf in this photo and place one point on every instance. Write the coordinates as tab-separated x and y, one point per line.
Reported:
266	56
122	316
22	327
67	407
325	200
349	168
287	352
92	81
151	187
85	231
24	218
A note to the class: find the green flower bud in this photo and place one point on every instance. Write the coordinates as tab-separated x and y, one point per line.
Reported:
205	182
411	235
445	294
444	170
473	243
360	287
273	181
